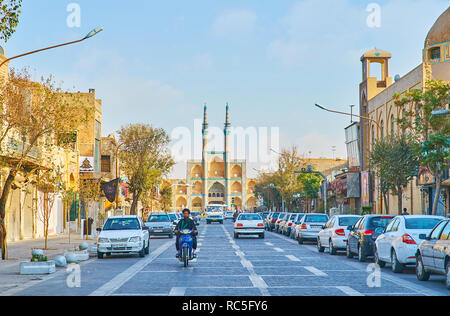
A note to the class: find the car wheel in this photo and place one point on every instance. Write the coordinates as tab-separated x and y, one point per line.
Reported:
142	252
421	273
362	257
397	267
147	249
447	283
349	252
377	260
236	236
262	236
319	246
100	255
333	250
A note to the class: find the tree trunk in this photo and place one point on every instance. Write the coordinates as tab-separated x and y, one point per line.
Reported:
386	206
136	197
400	199
3	200
437	194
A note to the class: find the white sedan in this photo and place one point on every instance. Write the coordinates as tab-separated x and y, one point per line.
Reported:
335	234
399	243
249	224
123	234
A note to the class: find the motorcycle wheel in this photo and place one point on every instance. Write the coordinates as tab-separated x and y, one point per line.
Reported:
186	257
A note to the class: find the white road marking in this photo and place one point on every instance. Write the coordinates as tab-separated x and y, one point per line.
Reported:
269	244
113	285
316	271
177	291
349	291
278	250
246	264
258	282
293	258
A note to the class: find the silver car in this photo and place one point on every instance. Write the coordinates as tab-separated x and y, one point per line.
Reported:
310	227
160	224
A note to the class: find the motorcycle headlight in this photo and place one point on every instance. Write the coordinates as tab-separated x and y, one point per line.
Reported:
134	239
101	240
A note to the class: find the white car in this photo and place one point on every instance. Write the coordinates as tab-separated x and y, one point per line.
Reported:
123	234
334	235
399	243
249	224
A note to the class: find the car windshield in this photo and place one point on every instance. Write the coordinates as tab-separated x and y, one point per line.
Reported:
122	224
379	222
249	217
158	218
348	221
316	218
421	223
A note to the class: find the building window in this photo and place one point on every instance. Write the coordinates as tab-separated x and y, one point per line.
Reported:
435	53
106	164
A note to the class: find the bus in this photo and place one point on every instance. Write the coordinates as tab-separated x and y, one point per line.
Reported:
215	213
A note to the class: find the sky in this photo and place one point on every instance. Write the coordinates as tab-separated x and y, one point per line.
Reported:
158	62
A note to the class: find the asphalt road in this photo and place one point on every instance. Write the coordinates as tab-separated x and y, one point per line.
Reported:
274	266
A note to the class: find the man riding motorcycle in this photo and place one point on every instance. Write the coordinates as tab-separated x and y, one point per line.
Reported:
186	223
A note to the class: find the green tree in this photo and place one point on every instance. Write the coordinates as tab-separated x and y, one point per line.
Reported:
265	189
310	183
166	193
433	133
396	161
145	158
9	17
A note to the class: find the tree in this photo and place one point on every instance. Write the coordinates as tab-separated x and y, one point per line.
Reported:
145	158
89	192
265	189
396	161
166	193
311	184
432	131
9	17
33	115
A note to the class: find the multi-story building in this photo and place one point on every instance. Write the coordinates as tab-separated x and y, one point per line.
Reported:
377	103
216	179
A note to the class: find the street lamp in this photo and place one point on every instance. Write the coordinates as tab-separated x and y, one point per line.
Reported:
89	35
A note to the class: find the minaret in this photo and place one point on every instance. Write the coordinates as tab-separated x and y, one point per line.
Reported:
227	133
205	157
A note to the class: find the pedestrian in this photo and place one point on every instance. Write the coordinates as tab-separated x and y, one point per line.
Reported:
405	212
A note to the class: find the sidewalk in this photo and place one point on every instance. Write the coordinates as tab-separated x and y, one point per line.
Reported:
21	251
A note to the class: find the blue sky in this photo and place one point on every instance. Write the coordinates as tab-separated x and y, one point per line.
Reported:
157	62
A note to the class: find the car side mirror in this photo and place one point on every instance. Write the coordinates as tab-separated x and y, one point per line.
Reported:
98	230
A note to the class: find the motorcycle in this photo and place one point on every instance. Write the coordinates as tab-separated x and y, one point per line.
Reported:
186	252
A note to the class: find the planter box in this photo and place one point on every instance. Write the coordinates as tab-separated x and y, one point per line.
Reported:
30	268
81	255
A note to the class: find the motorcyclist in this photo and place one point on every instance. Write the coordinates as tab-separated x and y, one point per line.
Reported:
186	223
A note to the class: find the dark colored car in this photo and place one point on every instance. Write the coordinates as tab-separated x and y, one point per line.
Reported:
160	224
271	220
433	255
361	240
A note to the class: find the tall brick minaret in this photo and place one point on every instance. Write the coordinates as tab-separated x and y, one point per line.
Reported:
205	156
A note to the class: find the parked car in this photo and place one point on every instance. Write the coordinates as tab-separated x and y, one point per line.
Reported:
159	224
271	220
287	224
249	224
335	233
399	242
196	217
123	234
433	255
281	218
263	215
229	215
294	234
361	240
310	226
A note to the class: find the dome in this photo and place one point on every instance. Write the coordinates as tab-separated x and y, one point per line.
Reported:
440	32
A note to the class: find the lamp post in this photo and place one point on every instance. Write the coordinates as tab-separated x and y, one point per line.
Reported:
89	35
380	130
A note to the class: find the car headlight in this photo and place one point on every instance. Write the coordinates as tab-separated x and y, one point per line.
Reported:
134	239
101	240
